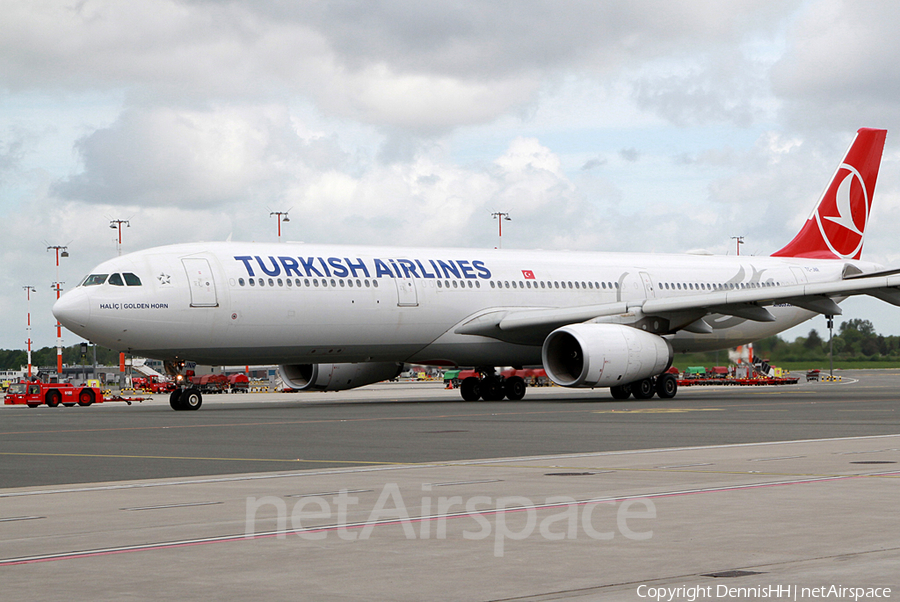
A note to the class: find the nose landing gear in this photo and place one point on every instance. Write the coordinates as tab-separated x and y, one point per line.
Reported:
185	397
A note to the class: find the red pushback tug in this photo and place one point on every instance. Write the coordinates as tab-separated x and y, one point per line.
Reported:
34	394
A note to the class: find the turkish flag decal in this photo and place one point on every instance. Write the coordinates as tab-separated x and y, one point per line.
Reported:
528	274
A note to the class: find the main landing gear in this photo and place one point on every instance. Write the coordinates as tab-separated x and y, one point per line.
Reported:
664	385
492	387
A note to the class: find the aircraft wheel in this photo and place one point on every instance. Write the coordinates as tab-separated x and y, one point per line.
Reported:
470	389
85	398
515	388
620	391
191	399
175	400
666	386
492	389
643	389
53	398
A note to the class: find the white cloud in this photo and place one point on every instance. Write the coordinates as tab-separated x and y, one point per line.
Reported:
602	126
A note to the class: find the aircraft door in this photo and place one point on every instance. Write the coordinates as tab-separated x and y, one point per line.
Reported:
649	289
799	275
407	296
200	279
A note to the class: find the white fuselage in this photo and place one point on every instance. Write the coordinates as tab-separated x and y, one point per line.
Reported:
235	303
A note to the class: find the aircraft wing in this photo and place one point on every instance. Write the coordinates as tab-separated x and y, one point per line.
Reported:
684	312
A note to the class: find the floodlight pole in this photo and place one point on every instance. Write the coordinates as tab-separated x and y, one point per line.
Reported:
500	216
29	290
740	241
117	223
58	286
278	218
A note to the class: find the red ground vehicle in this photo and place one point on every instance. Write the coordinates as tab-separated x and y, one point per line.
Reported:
210	383
151	384
239	383
35	393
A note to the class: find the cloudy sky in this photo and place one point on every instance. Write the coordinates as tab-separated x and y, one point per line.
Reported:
639	125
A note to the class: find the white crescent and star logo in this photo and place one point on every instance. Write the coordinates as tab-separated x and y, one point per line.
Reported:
843	213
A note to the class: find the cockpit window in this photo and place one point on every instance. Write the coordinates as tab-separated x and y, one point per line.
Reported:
116	280
94	280
131	279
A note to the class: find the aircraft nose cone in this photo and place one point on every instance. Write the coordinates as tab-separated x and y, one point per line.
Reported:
73	310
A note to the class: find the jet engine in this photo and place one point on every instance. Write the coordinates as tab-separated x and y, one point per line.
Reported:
603	355
336	377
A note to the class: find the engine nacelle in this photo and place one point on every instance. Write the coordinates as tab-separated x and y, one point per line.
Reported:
336	377
603	355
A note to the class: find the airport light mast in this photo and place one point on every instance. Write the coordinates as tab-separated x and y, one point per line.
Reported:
740	241
117	223
58	286
278	218
29	289
500	216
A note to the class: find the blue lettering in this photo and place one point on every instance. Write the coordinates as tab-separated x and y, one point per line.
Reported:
467	270
246	259
275	269
354	266
309	267
396	269
448	268
324	266
339	270
483	272
434	265
290	265
408	268
425	273
381	269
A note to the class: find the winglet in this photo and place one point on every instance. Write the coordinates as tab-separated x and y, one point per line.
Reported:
836	228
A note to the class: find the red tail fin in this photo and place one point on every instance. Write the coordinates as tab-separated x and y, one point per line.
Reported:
837	226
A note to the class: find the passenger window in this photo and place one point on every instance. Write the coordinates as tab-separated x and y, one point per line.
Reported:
94	279
116	280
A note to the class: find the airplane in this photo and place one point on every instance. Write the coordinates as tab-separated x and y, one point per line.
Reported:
335	317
